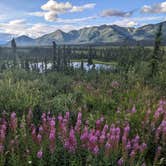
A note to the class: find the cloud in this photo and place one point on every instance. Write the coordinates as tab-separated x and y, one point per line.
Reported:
38	14
13	27
137	21
52	9
156	8
76	20
116	13
55	6
21	27
83	7
126	23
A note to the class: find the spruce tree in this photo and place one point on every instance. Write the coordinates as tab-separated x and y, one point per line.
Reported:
54	55
90	60
156	56
14	46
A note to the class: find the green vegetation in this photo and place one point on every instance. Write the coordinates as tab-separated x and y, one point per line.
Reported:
55	114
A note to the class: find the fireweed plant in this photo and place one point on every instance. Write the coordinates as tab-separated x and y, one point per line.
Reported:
63	141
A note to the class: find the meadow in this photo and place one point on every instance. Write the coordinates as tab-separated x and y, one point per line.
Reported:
73	116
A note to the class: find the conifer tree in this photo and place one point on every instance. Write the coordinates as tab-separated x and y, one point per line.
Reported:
90	60
13	45
54	55
156	56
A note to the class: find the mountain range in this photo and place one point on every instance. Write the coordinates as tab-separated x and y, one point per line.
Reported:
104	34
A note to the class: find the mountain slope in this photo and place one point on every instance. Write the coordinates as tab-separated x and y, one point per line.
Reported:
23	41
105	34
112	34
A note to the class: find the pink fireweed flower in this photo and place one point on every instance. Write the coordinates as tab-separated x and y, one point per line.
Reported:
158	152
120	162
143	147
132	154
136	146
29	117
71	142
1	148
133	110
128	146
118	110
86	122
60	118
117	131
52	136
108	145
124	141
97	133
105	128
12	144
157	134
41	129
79	117
126	130
84	135
67	115
13	121
92	138
102	139
112	139
33	133
112	129
48	116
39	139
78	126
52	123
98	124
92	141
137	138
65	121
160	110
102	119
40	154
95	150
132	157
108	148
52	141
116	143
146	119
43	116
115	84
3	129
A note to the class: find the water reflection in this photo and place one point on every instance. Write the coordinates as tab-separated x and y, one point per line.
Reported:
76	65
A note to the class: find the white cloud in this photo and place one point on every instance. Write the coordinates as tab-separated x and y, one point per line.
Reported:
13	27
76	20
126	23
21	27
149	18
52	9
38	14
156	8
51	16
116	13
59	7
137	21
83	7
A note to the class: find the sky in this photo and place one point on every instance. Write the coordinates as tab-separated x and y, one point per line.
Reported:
38	17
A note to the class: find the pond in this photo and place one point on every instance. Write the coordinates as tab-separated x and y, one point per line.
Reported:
75	65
